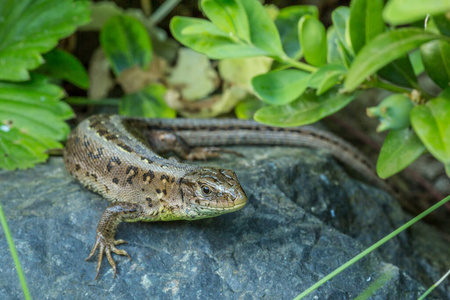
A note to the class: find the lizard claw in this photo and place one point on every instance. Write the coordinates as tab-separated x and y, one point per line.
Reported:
106	246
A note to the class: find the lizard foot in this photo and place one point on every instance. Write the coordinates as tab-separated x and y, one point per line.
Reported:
106	246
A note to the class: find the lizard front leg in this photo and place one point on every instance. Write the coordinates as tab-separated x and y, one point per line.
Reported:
106	229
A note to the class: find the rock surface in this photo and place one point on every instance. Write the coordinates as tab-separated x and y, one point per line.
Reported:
304	218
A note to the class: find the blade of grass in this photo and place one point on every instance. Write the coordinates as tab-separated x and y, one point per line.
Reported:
372	248
389	272
434	285
14	255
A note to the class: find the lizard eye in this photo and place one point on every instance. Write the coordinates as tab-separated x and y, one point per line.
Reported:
206	190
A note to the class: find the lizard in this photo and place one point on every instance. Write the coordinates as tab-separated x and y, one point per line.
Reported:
120	158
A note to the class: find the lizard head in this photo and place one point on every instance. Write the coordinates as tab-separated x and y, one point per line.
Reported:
209	192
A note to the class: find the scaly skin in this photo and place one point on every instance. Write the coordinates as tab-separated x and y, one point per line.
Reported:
143	186
116	157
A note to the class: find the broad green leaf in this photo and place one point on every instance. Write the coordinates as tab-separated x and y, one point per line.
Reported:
313	40
21	150
382	50
31	27
307	109
126	43
204	37
340	17
436	60
31	121
263	32
247	108
365	22
280	87
398	12
400	149
442	23
63	65
400	72
287	21
148	102
229	16
326	77
431	123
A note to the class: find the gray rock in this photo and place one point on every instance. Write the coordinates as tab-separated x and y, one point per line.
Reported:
305	217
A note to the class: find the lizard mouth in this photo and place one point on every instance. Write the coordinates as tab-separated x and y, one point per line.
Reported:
239	206
240	200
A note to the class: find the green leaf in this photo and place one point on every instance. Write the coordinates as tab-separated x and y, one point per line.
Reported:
280	87
148	102
287	25
445	93
442	23
207	38
63	65
126	43
32	121
431	123
382	50
416	62
398	12
336	53
400	72
340	17
365	22
229	16
204	37
400	149
313	40
34	107
21	150
263	32
326	77
307	109
436	60
29	28
247	108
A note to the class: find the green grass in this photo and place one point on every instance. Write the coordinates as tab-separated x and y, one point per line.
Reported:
370	249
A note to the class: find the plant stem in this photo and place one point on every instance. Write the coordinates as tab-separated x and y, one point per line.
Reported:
372	248
163	11
390	87
14	255
434	285
299	65
396	89
85	101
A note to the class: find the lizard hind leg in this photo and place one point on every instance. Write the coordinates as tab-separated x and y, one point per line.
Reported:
113	215
205	153
164	142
